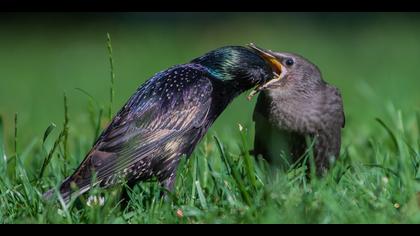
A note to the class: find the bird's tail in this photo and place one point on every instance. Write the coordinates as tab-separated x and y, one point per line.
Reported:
50	194
64	193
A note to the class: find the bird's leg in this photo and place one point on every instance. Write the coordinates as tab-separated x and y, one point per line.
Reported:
168	186
169	182
322	165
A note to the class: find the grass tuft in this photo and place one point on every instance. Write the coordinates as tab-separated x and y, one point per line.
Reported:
234	171
214	186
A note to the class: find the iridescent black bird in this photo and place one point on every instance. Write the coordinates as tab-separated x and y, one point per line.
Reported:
166	118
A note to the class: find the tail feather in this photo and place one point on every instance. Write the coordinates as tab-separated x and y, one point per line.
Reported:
64	192
50	194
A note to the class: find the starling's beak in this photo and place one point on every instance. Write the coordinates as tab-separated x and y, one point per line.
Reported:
269	58
276	66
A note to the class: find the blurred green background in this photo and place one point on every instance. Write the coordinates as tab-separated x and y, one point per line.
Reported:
372	57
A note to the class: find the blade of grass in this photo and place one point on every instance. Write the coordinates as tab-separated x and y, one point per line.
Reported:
250	170
111	62
212	173
98	125
2	152
418	121
390	133
179	174
47	132
201	195
194	178
384	168
11	163
234	172
23	178
95	121
16	135
65	133
50	154
310	143
418	127
222	155
91	98
301	158
64	206
400	122
413	155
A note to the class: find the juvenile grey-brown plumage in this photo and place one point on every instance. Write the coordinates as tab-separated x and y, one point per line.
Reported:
300	104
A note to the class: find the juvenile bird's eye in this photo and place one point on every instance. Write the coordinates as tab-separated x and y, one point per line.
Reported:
289	62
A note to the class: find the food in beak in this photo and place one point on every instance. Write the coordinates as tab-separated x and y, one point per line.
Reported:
275	64
263	86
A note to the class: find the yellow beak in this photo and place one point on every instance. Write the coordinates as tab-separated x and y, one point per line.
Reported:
269	58
276	66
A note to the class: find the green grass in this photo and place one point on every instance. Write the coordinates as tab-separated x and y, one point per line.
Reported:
221	184
375	180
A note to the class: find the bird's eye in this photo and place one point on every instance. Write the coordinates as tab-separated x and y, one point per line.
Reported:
289	62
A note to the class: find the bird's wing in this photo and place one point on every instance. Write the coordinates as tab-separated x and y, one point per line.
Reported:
261	107
336	101
161	122
343	117
262	126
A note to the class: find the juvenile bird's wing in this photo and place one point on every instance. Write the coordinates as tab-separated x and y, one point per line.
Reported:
329	143
261	107
336	103
163	120
262	126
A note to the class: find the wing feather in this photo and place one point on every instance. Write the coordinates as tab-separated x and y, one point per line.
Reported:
150	132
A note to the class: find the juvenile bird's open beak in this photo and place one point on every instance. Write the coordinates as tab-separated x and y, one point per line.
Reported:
276	66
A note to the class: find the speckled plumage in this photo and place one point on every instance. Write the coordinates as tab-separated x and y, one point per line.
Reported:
300	104
166	118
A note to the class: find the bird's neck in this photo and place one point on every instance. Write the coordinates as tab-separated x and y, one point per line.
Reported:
227	86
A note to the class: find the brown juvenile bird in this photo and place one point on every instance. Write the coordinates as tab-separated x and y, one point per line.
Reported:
298	104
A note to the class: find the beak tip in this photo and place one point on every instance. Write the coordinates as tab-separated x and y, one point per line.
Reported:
254	47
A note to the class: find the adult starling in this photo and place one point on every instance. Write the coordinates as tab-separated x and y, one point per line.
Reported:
165	119
298	104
